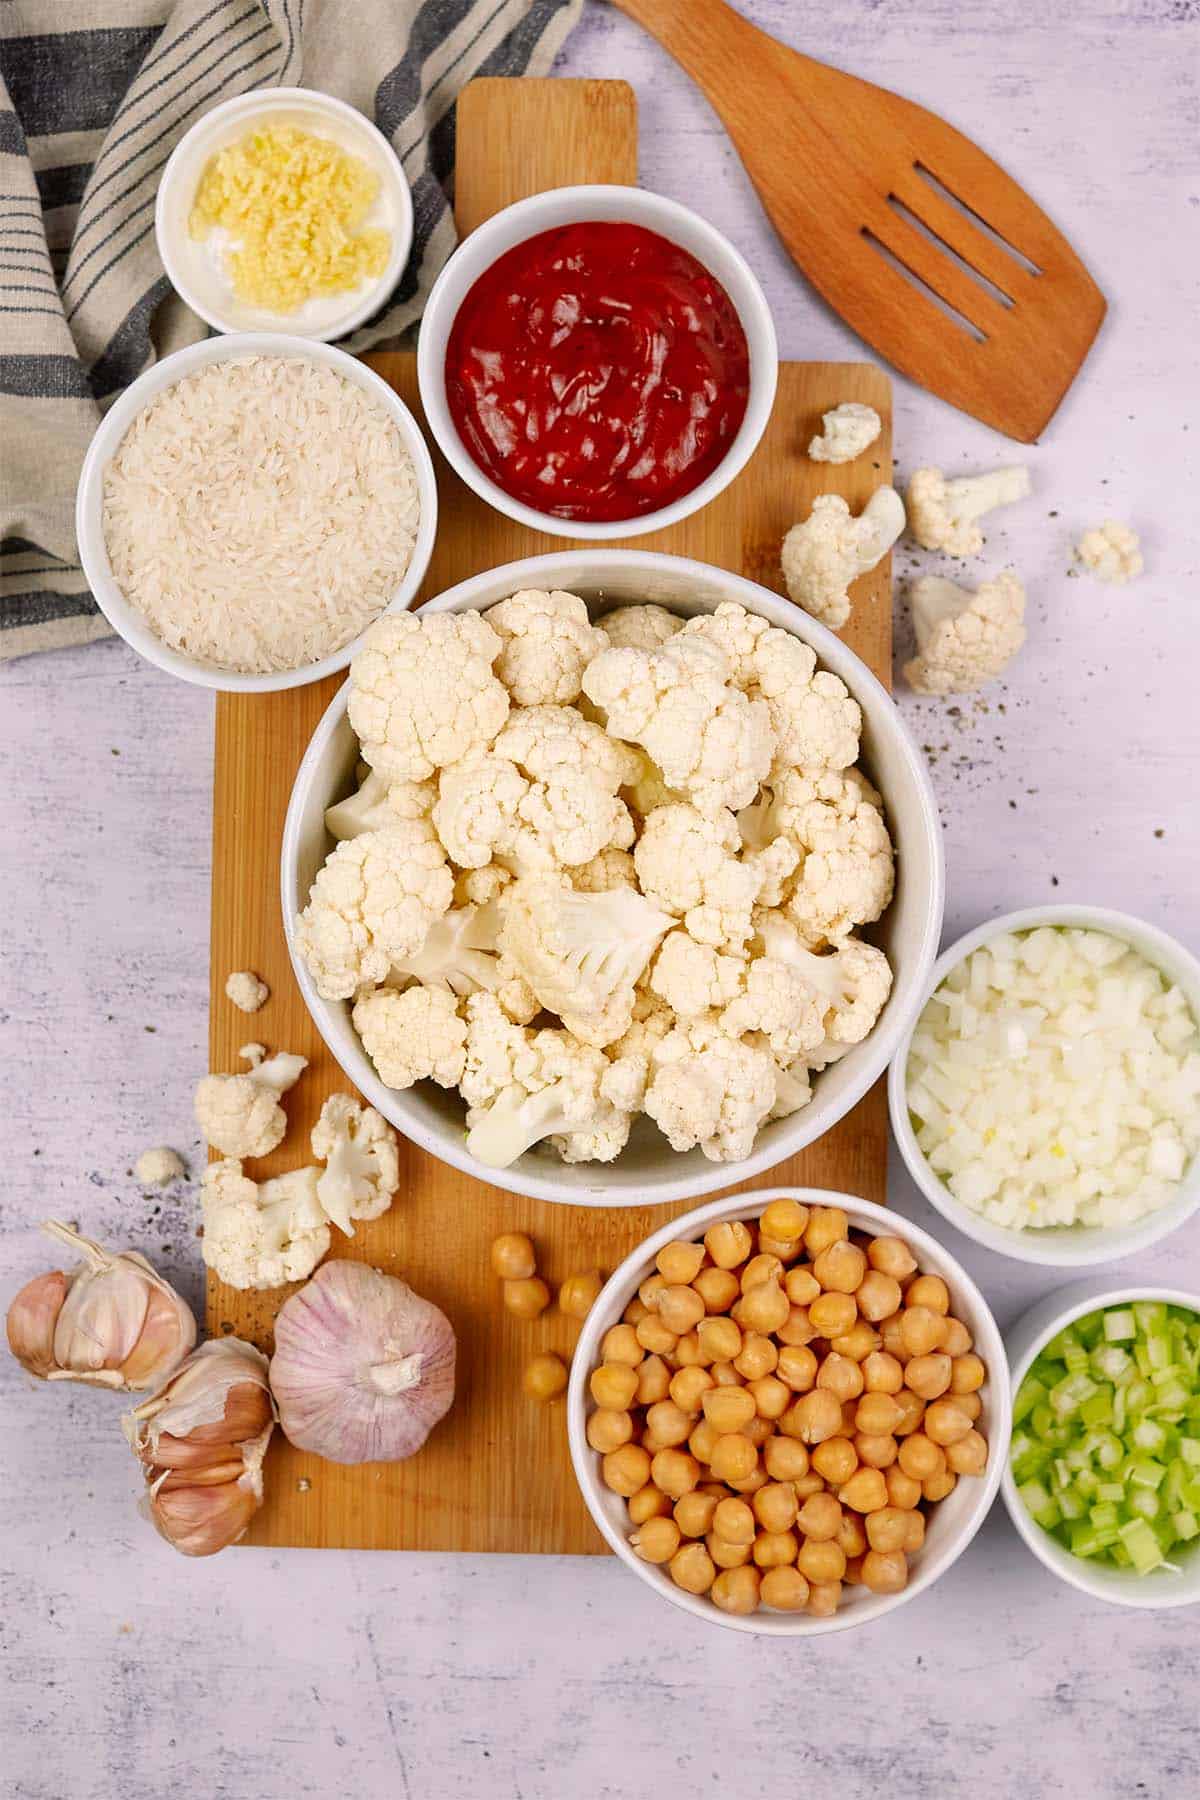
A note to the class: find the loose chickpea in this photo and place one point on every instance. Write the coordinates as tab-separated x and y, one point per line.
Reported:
579	1293
826	1225
728	1243
512	1256
971	1404
823	1598
882	1374
801	1286
840	1268
675	1472
878	1296
946	1422
654	1336
653	1381
688	1386
785	1459
635	1312
821	1559
668	1424
967	1374
885	1571
764	1308
840	1376
613	1385
718	1288
734	1457
866	1491
725	1374
656	1541
912	1412
851	1535
887	1529
784	1590
687	1352
702	1440
940	1485
728	1408
694	1514
902	1490
857	1343
734	1521
775	1506
608	1428
736	1590
626	1471
762	1267
920	1457
692	1569
527	1297
545	1376
797	1368
967	1455
920	1330
835	1460
956	1339
891	1256
680	1309
679	1263
649	1503
832	1315
757	1357
819	1518
772	1397
876	1414
891	1338
720	1339
931	1292
813	1417
797	1329
775	1549
928	1376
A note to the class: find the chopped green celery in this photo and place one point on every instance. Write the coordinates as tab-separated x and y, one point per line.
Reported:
1144	1472
1173	1487
1071	1504
1109	1450
1031	1394
1111	1490
1160	1349
1141	1356
1032	1462
1098	1409
1191	1495
1193	1408
1076	1359
1084	1541
1138	1396
1189	1449
1150	1314
1144	1502
1056	1349
1171	1398
1089	1329
1086	1483
1070	1393
1120	1407
1170	1372
1039	1504
1102	1514
1111	1362
1119	1326
1044	1421
1185	1525
1143	1547
1106	1535
1148	1434
1120	1555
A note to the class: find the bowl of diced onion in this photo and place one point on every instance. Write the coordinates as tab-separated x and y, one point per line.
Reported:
1047	1097
1102	1480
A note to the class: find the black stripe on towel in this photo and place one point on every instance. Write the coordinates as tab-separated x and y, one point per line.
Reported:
73	80
43	378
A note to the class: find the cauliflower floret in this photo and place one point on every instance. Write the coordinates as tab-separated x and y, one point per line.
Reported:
362	1161
548	641
964	639
792	1089
824	553
248	991
371	905
709	739
261	1234
774	864
944	515
815	721
649	790
479	887
851	984
845	881
240	1115
1111	552
155	1168
558	1097
610	869
694	978
476	810
778	1001
422	692
571	810
738	633
710	1089
413	1035
639	627
687	863
499	1053
378	803
631	1058
850	428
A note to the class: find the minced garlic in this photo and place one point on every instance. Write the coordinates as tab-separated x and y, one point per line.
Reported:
293	205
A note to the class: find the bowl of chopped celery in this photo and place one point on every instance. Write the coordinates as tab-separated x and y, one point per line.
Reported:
1103	1474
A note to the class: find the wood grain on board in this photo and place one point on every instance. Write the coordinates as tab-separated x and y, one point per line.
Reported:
496	1474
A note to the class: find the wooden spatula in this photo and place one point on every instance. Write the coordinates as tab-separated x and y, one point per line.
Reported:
918	239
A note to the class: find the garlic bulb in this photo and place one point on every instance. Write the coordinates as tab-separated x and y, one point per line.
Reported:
114	1322
363	1368
202	1439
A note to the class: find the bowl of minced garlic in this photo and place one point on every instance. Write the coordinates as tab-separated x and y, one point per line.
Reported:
284	208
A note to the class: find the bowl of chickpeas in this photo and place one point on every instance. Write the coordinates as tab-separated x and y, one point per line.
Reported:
789	1411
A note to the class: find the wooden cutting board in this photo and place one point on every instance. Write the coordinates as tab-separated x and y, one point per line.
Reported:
496	1474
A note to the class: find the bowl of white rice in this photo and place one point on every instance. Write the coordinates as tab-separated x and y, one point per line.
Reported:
250	505
1047	1097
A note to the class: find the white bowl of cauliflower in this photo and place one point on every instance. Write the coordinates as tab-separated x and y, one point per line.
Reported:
611	878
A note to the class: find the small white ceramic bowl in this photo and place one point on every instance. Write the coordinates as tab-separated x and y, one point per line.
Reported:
89	504
648	1170
952	1523
1031	1333
567	206
195	268
1066	1246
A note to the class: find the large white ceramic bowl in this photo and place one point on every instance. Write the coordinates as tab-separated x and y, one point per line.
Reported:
648	1170
89	504
1066	1246
952	1523
1031	1333
568	206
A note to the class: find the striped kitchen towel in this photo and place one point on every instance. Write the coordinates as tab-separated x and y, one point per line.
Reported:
94	96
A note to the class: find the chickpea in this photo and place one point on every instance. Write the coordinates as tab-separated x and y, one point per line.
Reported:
619	1345
920	1330
783	1219
727	1555
688	1386
757	1478
648	1503
785	1459
840	1268
650	1291
823	1598
967	1374
694	1514
635	1312
654	1336
875	1450
680	1309
851	1534
545	1376
832	1315
826	1225
920	1457
887	1529
757	1357
866	1491
775	1549
971	1404
878	1296
626	1471
764	1308
819	1518
956	1339
797	1368
613	1385
821	1560
835	1460
687	1352
891	1256
653	1381
772	1397
736	1590
967	1455
857	1343
702	1440
759	1430
734	1521
876	1414
801	1286
720	1339
928	1376
725	1375
718	1288
728	1408
608	1428
734	1457
675	1472
912	1412
760	1268
946	1422
679	1263
797	1329
813	1417
527	1297
853	1573
885	1571
882	1374
805	1485
940	1485
916	1532
840	1376
512	1256
692	1569
668	1423
931	1292
786	1249
579	1293
656	1541
891	1338
783	1590
775	1506
902	1490
728	1244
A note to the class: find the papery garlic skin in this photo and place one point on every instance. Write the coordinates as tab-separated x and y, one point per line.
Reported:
113	1322
363	1367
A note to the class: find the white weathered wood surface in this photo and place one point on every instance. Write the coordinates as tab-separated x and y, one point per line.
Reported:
126	1672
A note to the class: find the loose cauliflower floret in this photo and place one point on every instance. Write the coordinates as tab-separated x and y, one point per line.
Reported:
422	692
824	553
377	804
248	991
261	1234
372	905
158	1167
945	515
694	978
849	429
548	641
687	863
240	1115
639	627
414	1035
1111	552
557	1097
711	741
850	984
964	639
610	869
362	1161
710	1089
476	810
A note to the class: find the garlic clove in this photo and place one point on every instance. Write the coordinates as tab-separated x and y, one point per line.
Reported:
230	1468
199	1521
183	1454
31	1321
168	1333
102	1317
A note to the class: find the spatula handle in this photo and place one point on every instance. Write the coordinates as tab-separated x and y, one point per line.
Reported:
702	36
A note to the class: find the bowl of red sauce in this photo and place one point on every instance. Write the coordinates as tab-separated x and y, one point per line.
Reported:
597	362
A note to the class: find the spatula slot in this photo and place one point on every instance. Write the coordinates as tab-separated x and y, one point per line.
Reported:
927	231
960	206
914	280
